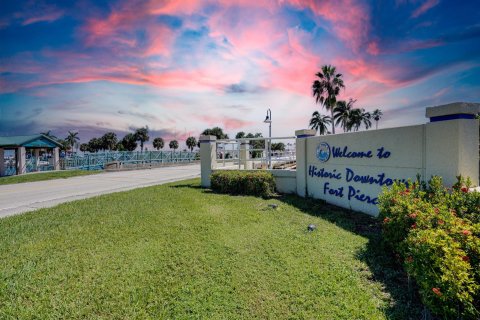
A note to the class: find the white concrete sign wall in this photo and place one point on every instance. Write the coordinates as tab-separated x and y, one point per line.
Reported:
350	169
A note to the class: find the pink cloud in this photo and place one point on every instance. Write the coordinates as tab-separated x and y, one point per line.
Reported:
44	17
229	123
354	30
427	5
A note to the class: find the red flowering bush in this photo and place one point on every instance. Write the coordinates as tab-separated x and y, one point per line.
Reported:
258	183
436	232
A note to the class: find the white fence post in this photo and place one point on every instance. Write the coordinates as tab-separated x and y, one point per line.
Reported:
301	150
244	155
208	158
56	158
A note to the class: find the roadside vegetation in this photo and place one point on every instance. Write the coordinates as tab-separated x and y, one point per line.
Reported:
43	176
179	251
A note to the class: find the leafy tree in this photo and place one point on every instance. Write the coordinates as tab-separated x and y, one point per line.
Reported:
94	145
129	142
326	89
377	115
256	144
191	143
240	135
109	141
173	145
141	134
119	146
216	131
65	145
319	122
341	113
280	146
158	143
71	138
84	147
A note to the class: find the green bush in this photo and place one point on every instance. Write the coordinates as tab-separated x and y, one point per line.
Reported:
259	183
436	232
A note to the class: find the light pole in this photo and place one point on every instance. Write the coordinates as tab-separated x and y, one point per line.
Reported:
268	119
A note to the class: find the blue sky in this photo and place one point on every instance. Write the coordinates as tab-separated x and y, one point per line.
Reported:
182	66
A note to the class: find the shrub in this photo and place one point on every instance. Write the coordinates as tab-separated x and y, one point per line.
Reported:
259	183
436	232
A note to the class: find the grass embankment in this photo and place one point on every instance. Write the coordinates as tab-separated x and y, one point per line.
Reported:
177	251
47	175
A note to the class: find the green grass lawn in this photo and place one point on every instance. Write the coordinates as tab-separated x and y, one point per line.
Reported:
47	175
180	252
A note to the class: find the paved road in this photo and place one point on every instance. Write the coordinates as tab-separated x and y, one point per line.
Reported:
23	197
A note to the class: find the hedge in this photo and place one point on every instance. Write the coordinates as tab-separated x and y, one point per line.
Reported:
258	183
436	233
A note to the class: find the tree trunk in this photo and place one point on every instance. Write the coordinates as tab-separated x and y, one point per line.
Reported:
333	122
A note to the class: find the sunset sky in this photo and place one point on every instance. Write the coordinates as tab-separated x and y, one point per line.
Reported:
182	66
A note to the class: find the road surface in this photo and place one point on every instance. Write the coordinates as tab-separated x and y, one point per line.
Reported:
23	197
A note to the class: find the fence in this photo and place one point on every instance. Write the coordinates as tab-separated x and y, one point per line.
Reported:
255	153
99	160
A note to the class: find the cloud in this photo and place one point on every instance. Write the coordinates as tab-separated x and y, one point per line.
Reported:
427	5
49	16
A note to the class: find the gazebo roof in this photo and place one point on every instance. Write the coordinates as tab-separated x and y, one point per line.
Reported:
32	141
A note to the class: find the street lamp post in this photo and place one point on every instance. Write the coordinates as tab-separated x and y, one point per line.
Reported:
268	119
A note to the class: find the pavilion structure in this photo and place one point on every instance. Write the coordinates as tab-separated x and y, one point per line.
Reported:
33	146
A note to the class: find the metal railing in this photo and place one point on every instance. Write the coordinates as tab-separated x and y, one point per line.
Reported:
257	154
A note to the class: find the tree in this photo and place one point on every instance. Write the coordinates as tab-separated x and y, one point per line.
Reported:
141	134
71	138
256	144
366	119
240	135
94	145
326	88
280	146
354	120
109	141
191	143
319	122
215	131
129	142
84	147
65	145
173	145
158	143
377	115
341	113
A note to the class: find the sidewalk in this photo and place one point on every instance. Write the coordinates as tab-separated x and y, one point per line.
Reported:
23	197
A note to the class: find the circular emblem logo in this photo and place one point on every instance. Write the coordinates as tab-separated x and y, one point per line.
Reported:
323	152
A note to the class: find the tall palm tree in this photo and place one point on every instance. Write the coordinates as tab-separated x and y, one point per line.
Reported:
173	145
72	138
191	143
141	134
109	141
341	113
319	122
158	143
49	134
366	118
327	87
377	115
354	120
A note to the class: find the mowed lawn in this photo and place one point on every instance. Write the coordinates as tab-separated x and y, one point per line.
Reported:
180	252
43	176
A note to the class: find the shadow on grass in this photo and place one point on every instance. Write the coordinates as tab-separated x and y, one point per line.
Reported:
405	302
382	264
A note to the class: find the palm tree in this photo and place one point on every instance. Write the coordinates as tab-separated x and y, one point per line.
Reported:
240	135
109	141
319	122
326	88
354	120
377	115
49	134
366	119
341	113
158	143
129	142
141	134
191	143
84	147
71	139
173	145
216	131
